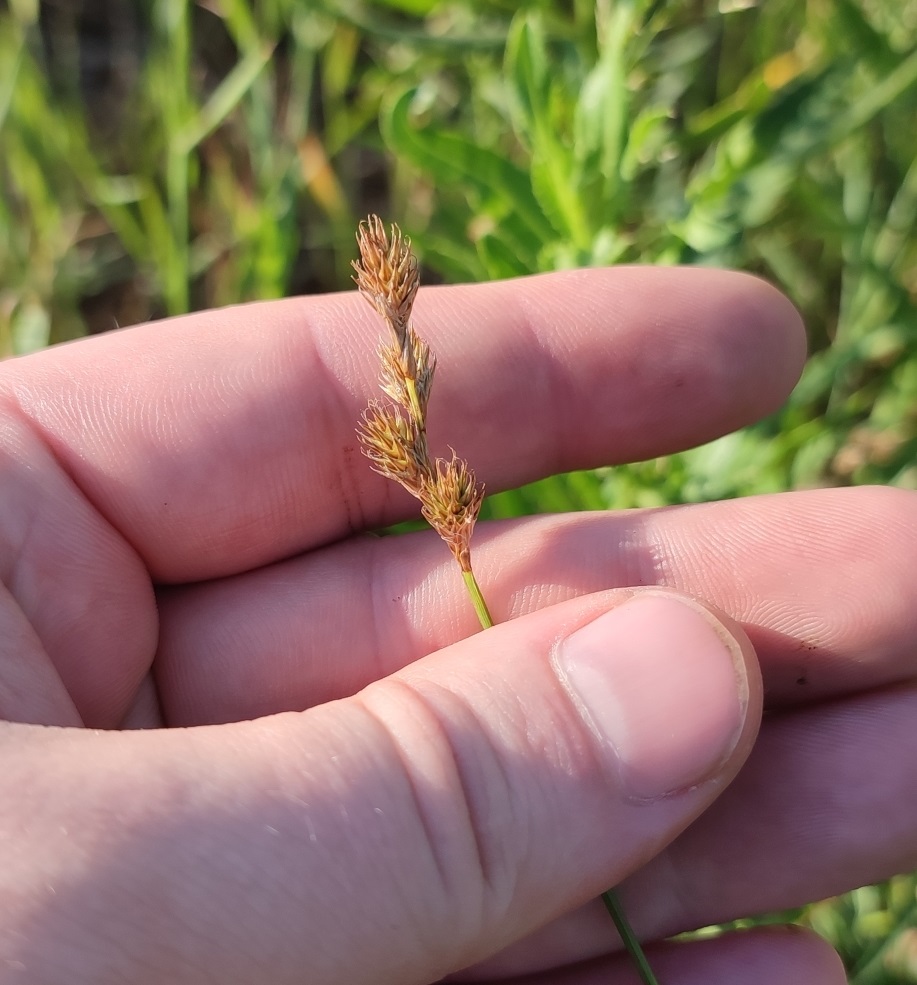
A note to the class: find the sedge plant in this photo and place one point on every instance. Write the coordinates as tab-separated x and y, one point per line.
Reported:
393	435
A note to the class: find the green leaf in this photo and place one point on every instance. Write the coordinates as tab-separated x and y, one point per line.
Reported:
870	43
224	100
527	75
499	259
502	188
886	89
417	7
602	108
648	134
31	328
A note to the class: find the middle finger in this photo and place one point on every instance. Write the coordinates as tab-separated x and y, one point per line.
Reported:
821	581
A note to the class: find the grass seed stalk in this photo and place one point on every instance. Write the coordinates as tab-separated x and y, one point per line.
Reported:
393	435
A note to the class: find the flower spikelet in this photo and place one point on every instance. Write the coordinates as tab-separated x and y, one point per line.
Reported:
395	379
394	446
386	274
450	501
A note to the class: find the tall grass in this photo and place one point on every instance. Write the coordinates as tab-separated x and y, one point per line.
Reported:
210	153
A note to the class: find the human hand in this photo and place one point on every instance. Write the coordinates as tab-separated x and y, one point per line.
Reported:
183	517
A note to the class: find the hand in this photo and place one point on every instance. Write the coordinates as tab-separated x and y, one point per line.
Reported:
372	791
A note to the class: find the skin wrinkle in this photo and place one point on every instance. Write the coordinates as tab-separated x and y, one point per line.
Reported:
30	689
785	610
469	876
485	784
286	507
46	437
17	455
563	748
548	388
377	588
61	515
420	586
672	566
12	558
644	554
393	629
500	880
432	844
346	475
224	378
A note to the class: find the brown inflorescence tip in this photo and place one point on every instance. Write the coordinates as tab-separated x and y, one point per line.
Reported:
450	501
394	438
386	273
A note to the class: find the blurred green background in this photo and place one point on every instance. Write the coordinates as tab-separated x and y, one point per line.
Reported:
160	156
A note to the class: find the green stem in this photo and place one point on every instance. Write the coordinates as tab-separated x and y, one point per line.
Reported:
628	938
612	903
477	599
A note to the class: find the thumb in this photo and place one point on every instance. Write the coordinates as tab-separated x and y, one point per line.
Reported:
392	837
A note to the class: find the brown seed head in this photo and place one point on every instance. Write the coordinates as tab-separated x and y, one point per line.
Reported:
386	274
396	448
450	501
394	437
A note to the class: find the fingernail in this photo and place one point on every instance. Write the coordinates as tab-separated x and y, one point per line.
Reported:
664	685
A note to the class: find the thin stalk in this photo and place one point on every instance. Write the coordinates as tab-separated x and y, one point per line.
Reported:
477	599
611	901
394	440
629	938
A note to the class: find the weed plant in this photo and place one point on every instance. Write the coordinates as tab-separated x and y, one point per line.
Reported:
164	156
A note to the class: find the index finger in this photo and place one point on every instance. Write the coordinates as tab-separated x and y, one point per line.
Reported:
221	441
